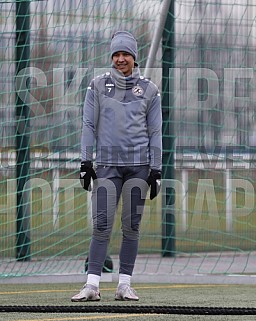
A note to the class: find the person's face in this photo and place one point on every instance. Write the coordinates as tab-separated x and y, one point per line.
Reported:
124	62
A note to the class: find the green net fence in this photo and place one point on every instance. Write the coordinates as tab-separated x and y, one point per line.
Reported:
45	215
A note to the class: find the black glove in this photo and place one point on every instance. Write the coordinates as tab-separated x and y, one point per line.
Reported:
154	182
86	174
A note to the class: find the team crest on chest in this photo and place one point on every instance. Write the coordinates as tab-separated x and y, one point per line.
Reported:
137	90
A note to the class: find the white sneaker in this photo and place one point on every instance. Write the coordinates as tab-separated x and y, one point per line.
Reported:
86	294
126	293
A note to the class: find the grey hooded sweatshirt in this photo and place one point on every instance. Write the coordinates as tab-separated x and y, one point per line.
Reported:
122	118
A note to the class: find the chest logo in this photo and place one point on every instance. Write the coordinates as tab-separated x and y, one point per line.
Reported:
109	87
137	90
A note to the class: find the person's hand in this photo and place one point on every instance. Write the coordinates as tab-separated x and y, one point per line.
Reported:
86	174
154	182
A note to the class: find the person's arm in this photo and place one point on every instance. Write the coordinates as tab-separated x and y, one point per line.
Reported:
90	118
154	123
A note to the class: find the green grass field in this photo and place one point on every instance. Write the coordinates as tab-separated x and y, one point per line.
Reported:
206	231
150	294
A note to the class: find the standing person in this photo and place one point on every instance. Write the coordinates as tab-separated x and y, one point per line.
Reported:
122	113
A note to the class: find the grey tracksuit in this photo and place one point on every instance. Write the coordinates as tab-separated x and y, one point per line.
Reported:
123	117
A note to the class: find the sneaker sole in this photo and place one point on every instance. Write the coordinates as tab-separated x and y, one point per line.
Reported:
126	299
84	300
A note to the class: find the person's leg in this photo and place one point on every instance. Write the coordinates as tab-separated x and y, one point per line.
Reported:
134	194
105	197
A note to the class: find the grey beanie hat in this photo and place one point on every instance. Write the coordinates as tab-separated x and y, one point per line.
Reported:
124	41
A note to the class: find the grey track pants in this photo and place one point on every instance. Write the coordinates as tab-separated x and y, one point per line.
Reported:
111	183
